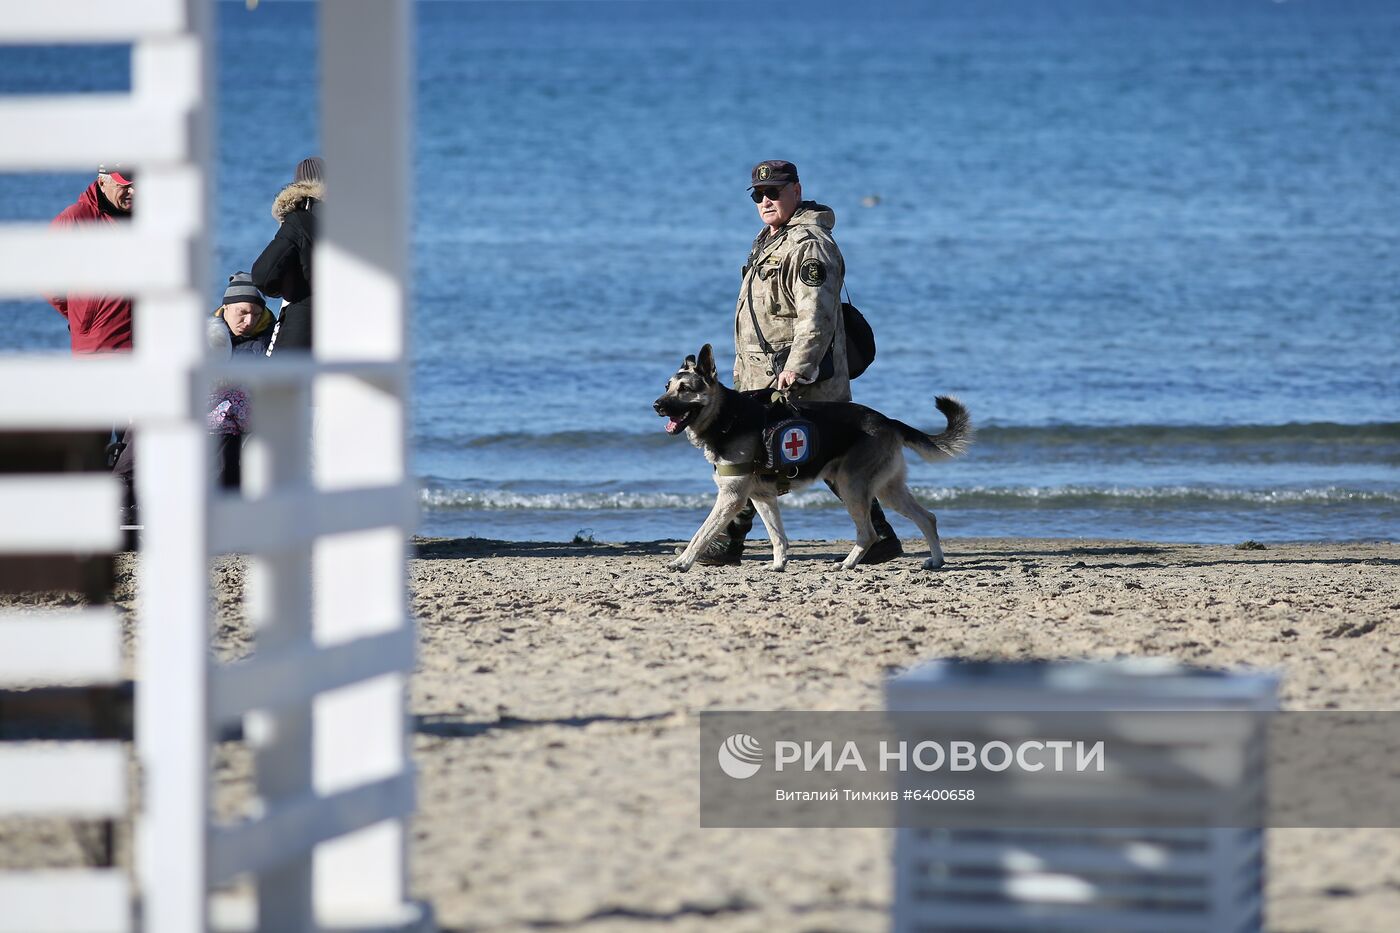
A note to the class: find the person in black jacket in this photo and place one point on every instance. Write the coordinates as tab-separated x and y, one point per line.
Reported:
284	268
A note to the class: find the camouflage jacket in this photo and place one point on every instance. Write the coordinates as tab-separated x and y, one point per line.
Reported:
792	286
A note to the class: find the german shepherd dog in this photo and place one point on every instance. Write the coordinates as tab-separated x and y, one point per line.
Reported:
860	453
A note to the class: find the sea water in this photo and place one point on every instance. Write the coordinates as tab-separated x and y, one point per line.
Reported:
1153	247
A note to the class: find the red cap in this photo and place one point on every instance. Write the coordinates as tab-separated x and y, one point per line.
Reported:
121	173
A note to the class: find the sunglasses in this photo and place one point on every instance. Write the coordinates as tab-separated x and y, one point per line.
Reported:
758	194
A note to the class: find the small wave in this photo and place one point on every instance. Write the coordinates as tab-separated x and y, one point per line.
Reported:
1135	435
1189	434
568	440
1000	497
1076	496
502	500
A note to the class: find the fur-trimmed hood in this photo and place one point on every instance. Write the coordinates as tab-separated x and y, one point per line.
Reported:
294	196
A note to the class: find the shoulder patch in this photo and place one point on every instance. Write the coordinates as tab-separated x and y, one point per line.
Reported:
813	272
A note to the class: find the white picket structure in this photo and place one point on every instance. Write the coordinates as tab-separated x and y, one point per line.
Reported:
323	517
1060	880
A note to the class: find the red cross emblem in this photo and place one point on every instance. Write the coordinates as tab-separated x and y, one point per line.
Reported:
794	443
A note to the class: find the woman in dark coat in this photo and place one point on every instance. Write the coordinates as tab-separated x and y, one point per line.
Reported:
284	268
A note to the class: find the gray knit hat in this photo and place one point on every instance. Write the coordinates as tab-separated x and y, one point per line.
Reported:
312	169
241	288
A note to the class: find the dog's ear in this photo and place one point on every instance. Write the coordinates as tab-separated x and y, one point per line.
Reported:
688	365
706	364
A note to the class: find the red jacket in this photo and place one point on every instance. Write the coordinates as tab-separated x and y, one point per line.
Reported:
96	324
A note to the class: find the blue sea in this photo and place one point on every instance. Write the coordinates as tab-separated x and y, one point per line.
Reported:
1153	246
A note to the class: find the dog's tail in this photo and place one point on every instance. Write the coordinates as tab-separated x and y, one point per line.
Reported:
951	442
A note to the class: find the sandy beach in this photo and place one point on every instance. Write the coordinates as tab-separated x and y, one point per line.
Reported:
556	697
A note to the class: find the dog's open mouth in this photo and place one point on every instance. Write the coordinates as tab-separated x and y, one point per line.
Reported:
677	423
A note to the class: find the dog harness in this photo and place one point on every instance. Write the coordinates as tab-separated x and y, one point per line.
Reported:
787	445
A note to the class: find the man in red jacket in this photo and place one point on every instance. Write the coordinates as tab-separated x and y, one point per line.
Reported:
98	323
102	323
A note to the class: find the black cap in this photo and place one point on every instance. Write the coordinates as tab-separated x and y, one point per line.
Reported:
773	172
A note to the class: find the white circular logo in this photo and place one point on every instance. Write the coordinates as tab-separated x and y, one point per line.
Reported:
794	445
740	756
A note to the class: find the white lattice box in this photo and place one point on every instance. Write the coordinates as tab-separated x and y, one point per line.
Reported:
1079	880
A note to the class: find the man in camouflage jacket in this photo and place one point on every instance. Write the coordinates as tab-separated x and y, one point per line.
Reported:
790	298
788	328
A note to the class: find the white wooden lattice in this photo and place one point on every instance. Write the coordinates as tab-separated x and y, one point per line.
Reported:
322	699
1061	880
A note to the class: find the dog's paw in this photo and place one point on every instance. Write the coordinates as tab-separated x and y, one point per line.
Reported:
678	565
779	566
933	563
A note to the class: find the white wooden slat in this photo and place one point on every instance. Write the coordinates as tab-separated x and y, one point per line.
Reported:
172	338
343	610
346	411
172	709
237	912
403	917
361	733
77	901
169	205
288	830
160	259
936	915
1124	859
295	675
81	646
1052	889
88	392
362	253
279	608
67	778
363	258
289	370
41	260
169	70
293	518
59	513
116	127
963	916
76	21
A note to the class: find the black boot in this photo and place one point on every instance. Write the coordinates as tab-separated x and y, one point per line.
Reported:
887	546
728	545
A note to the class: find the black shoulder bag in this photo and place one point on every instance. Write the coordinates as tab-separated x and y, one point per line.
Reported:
860	339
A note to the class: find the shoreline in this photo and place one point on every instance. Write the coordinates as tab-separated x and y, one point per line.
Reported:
759	547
